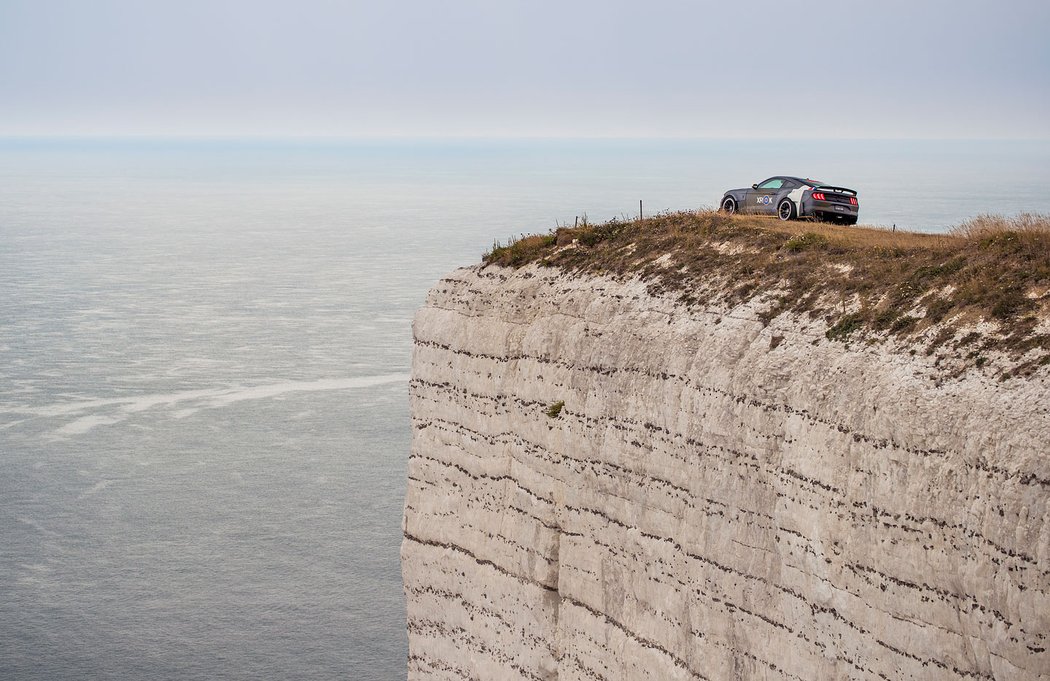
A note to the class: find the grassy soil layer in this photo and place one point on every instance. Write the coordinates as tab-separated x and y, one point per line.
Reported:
981	290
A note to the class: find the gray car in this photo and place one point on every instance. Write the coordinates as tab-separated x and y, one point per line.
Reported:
794	197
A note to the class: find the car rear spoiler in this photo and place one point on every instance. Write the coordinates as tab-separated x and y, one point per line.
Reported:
835	189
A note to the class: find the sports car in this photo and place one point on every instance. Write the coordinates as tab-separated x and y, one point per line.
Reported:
794	197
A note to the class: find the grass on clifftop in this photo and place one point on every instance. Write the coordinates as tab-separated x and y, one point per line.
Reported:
983	287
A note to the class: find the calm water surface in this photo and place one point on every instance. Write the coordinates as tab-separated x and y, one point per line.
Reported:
204	350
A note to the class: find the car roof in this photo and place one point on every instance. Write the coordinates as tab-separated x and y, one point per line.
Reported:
798	179
802	180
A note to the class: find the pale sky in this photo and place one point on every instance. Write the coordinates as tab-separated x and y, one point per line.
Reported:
498	68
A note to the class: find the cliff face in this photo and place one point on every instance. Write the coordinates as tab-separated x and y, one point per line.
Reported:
719	498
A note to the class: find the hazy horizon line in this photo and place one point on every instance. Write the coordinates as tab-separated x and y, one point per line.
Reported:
208	137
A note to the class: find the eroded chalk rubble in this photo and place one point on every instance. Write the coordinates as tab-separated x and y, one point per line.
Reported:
719	498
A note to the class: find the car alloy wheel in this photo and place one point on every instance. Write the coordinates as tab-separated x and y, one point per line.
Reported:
786	210
729	205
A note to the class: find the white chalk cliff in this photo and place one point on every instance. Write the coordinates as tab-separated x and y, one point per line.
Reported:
718	498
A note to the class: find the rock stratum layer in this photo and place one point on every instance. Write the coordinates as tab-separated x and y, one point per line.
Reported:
719	497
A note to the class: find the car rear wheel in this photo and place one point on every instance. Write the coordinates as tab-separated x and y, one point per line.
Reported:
729	205
786	210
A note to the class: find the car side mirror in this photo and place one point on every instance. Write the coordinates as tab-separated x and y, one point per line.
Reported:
754	186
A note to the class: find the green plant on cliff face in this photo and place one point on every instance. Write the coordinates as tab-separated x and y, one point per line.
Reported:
845	327
554	411
806	240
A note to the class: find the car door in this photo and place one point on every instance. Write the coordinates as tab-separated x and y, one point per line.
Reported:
762	198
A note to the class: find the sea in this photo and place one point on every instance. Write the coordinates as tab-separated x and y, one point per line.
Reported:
205	350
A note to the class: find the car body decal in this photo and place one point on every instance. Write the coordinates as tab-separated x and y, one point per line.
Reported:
796	197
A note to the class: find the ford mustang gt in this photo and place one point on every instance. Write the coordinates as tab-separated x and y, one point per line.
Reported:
794	197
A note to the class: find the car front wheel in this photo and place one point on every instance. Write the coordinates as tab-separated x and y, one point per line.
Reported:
786	210
729	205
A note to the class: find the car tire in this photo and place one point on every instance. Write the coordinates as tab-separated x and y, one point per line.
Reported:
849	221
786	210
729	205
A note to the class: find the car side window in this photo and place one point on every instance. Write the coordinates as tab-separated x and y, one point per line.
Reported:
774	183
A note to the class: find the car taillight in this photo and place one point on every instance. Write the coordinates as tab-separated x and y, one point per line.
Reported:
819	196
853	200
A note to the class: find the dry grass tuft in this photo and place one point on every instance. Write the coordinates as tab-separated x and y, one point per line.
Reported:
866	282
985	226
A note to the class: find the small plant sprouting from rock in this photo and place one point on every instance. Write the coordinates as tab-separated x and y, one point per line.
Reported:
845	327
801	242
554	411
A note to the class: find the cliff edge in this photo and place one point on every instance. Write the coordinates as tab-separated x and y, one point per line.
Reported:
626	466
